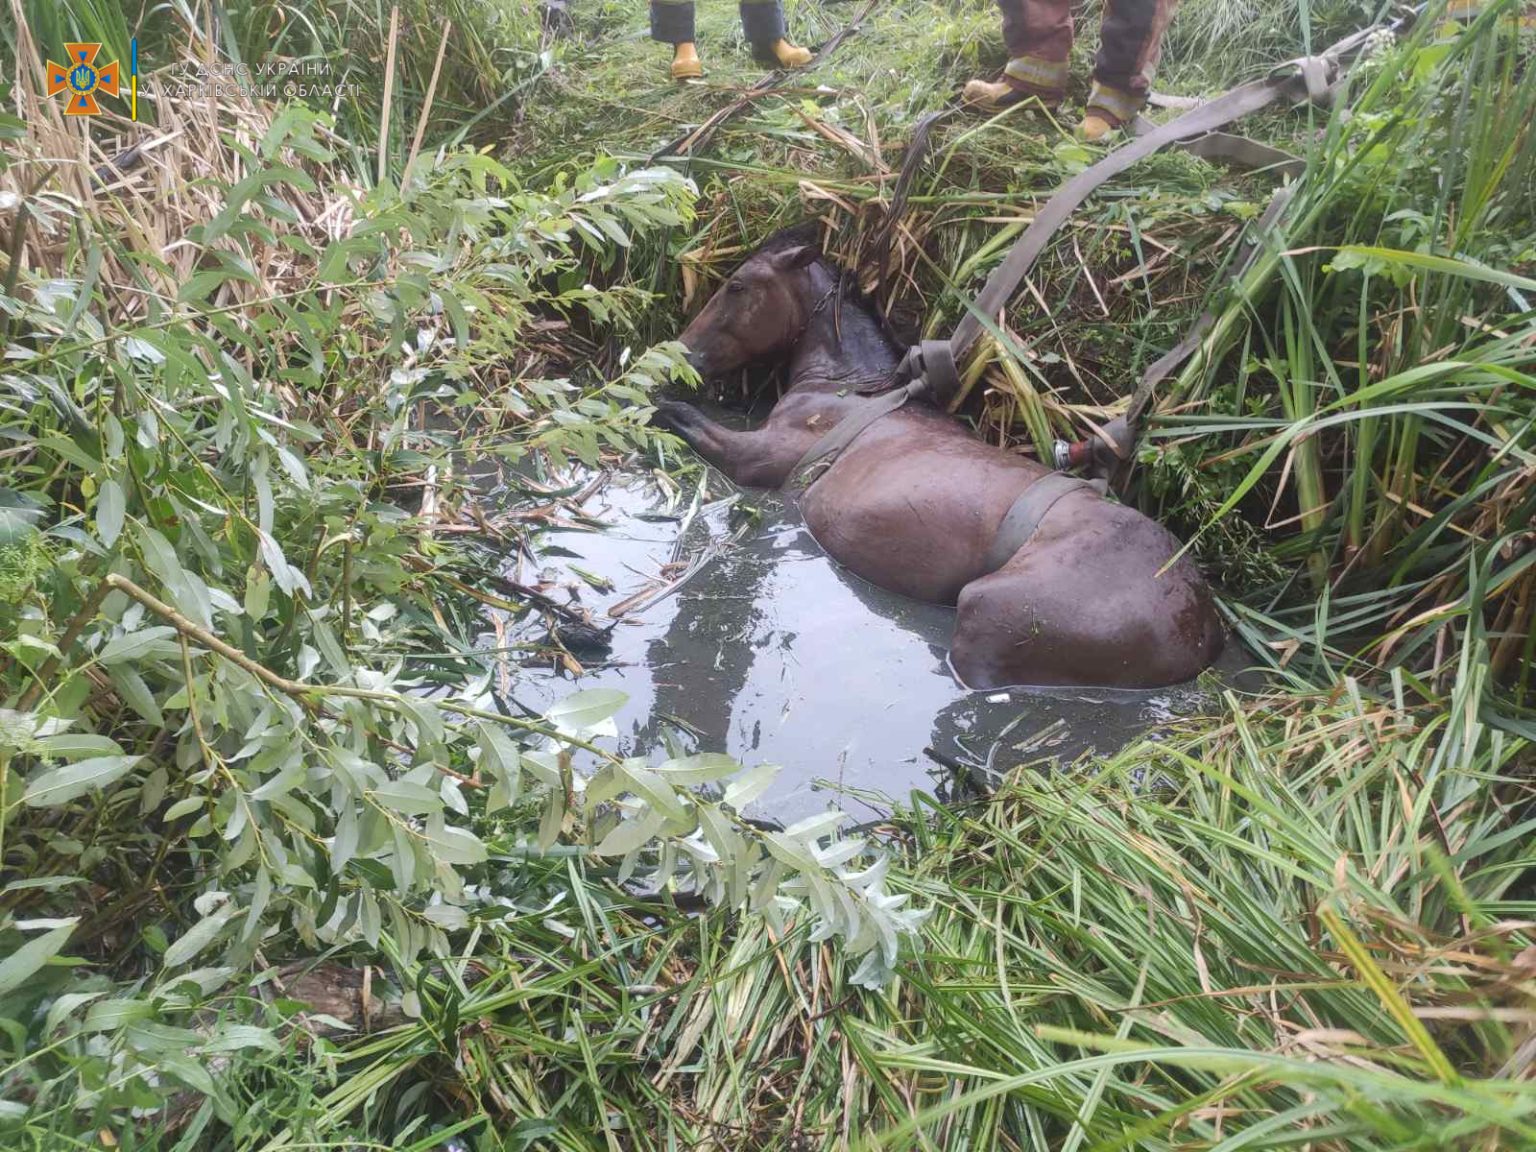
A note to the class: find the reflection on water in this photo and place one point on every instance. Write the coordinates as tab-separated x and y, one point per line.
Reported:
774	654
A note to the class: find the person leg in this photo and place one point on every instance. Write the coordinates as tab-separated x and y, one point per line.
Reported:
1038	35
762	22
672	23
1130	43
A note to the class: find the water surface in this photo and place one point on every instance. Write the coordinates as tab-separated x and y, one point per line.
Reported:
772	653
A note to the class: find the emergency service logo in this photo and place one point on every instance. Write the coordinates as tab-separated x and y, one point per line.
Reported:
82	79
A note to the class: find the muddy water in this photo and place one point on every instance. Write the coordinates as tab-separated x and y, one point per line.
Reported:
772	653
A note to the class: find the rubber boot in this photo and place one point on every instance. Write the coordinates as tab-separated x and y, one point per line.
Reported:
991	95
685	62
995	95
1096	126
1108	110
789	55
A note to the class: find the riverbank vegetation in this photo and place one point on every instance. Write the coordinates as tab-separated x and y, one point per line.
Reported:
283	861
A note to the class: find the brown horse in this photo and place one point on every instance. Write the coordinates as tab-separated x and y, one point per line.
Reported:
914	502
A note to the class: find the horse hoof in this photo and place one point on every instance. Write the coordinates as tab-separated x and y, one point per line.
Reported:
673	415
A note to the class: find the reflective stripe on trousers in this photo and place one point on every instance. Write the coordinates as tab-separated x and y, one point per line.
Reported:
1038	34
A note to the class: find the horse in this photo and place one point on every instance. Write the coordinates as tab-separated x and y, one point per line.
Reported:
1098	595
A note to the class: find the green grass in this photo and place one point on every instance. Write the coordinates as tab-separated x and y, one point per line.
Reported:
1302	919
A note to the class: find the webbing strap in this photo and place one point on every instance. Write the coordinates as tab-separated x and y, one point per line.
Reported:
1248	251
845	430
1308	77
1106	453
1023	518
1240	101
1234	149
931	367
934	361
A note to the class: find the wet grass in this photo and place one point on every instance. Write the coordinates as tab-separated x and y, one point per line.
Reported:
1303	921
1295	923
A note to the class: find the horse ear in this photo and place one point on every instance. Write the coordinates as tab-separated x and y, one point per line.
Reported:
791	258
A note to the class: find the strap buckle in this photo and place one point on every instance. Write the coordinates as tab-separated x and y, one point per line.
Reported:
932	362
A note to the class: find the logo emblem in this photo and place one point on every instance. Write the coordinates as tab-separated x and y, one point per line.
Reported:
81	80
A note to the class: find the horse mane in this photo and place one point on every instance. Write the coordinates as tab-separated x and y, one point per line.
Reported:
848	291
792	236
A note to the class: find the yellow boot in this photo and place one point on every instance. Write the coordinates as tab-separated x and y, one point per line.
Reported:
1095	127
991	95
685	62
995	95
790	55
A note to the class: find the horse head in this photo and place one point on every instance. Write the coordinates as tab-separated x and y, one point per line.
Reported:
759	314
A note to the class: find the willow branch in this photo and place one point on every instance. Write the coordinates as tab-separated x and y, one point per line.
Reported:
306	694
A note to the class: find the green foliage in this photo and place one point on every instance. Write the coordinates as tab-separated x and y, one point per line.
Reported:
54	23
1304	918
1386	392
493	54
216	754
228	767
1252	933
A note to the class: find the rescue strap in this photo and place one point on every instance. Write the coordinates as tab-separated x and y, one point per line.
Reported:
842	434
1114	444
1313	78
1024	517
930	372
929	369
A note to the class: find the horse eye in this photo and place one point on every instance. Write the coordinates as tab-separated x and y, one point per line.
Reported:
735	286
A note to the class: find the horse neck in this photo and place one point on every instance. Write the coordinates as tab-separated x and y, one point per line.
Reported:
843	344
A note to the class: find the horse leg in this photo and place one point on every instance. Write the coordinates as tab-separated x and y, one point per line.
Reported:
1055	614
762	458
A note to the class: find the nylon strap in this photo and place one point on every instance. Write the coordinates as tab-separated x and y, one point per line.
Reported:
1240	101
931	367
1305	77
843	433
1023	518
1114	443
1248	251
1234	149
